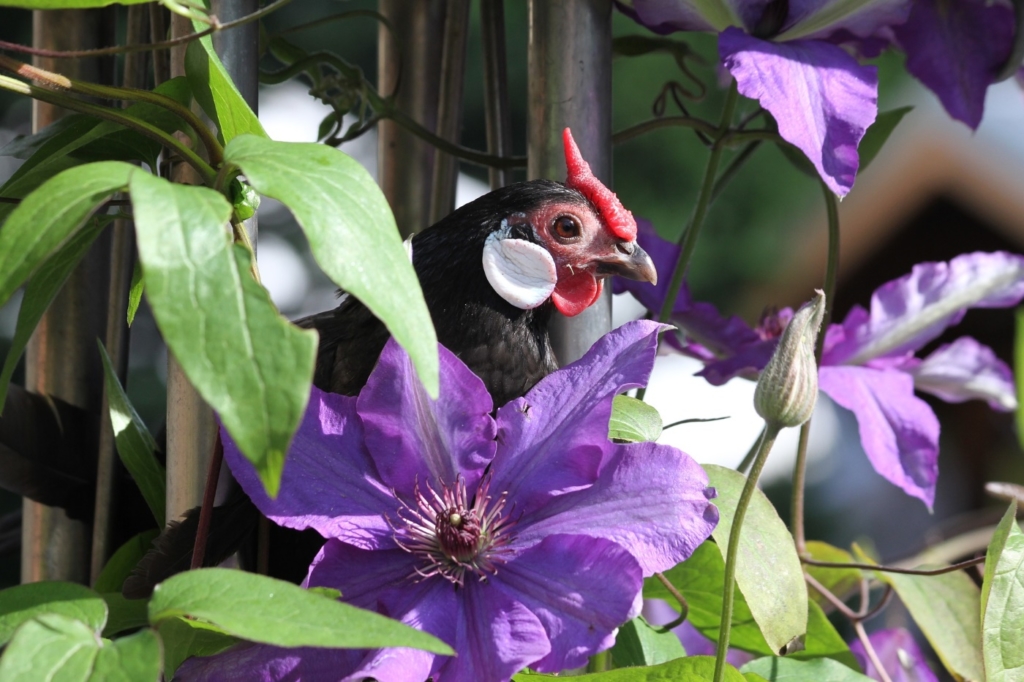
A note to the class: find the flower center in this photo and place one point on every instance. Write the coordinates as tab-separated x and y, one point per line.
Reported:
453	534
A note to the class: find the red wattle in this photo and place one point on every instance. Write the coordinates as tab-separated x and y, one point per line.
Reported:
576	293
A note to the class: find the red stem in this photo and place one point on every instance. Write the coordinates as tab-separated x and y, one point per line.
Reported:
206	511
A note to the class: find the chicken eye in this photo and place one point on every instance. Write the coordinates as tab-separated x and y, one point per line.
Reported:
566	227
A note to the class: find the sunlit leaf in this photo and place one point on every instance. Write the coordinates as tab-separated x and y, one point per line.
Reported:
249	363
135	292
351	232
21	603
947	608
217	93
1002	602
54	647
184	638
633	421
776	669
839	581
768	569
639	643
700	579
135	445
270	611
689	669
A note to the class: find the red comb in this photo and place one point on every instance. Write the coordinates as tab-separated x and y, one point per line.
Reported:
619	220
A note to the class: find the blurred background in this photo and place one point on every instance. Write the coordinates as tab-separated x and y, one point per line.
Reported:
935	191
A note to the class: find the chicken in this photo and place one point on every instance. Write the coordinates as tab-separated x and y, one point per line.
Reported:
492	273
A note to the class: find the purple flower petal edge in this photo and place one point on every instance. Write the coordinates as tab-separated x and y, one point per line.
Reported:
967	370
898	653
821	97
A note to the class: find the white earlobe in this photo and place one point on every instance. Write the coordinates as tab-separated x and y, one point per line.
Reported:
520	272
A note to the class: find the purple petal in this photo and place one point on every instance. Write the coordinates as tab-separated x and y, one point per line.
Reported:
908	312
695	15
956	49
385	581
555	438
329	482
651	499
664	254
581	588
721	335
824	18
822	99
899	432
967	370
261	663
496	636
414	438
899	655
746	363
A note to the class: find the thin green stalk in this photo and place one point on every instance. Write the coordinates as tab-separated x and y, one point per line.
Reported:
664	122
598	663
800	467
771	432
751	453
114	115
689	239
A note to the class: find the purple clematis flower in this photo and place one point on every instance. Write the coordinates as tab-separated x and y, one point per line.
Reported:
899	655
957	48
869	365
520	539
790	56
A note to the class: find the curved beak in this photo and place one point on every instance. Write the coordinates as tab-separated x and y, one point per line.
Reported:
629	261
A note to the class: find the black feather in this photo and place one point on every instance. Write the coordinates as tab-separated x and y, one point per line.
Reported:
230	525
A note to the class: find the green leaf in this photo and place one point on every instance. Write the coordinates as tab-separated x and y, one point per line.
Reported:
135	445
768	570
79	139
125	614
878	133
249	363
700	580
689	669
1002	602
42	289
119	566
753	677
633	421
49	217
135	292
351	231
54	647
244	199
639	643
776	669
270	611
134	658
947	608
21	603
186	638
216	92
840	581
47	647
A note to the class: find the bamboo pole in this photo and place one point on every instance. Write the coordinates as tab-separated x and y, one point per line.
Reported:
61	359
570	83
449	106
410	60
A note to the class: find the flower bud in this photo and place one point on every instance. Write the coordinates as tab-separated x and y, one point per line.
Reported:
788	387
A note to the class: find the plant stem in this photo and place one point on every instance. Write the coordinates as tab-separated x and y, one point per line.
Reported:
206	511
664	122
831	273
689	238
896	569
55	80
598	663
147	129
870	651
771	432
163	45
751	453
